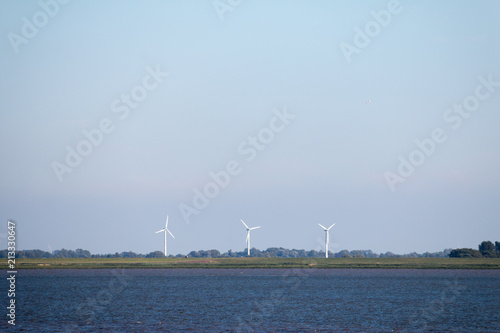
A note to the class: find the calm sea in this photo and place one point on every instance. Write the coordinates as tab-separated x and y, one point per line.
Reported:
256	300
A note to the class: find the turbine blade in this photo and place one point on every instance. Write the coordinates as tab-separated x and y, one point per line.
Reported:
162	230
255	228
166	223
331	226
170	233
322	226
244	224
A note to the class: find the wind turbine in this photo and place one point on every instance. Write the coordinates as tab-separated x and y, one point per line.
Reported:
165	231
327	238
248	235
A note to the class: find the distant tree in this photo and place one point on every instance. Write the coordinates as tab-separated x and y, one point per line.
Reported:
255	252
369	254
241	254
129	254
21	254
447	252
155	254
29	254
301	253
357	254
273	252
412	255
266	254
313	254
342	254
388	254
194	254
213	254
465	253
497	248
62	253
39	254
82	253
487	249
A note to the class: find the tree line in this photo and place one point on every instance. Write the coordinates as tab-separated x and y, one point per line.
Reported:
272	252
485	250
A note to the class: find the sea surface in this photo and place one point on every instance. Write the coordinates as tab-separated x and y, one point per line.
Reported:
255	300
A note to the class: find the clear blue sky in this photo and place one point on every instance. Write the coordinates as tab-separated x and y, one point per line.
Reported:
226	79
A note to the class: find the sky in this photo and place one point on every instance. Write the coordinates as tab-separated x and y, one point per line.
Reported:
379	116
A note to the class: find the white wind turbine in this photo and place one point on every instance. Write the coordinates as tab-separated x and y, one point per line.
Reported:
248	235
165	231
327	238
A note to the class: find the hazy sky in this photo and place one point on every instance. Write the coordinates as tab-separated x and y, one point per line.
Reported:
115	114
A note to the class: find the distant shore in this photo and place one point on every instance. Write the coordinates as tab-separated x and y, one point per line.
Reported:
239	263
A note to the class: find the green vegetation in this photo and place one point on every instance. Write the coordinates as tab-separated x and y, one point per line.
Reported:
250	262
272	252
486	250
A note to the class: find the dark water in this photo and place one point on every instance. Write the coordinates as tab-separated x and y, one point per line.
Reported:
256	301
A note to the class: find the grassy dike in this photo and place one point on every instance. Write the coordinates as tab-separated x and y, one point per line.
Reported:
238	263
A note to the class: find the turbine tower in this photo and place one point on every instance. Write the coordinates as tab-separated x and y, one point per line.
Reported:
248	235
327	238
165	231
